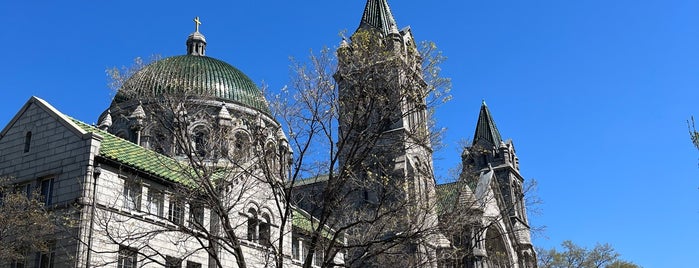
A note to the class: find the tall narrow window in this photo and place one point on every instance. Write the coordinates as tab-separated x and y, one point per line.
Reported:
47	191
196	216
27	141
46	259
132	195
295	248
155	202
264	229
200	138
128	257
176	212
252	225
241	146
318	257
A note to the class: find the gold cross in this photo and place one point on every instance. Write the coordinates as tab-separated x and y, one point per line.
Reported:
197	23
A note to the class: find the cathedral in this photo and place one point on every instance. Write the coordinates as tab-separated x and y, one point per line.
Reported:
189	167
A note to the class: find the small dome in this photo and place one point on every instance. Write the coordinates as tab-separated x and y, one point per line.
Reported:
204	76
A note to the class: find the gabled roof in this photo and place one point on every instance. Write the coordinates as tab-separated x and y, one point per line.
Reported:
486	131
53	112
453	194
112	147
377	15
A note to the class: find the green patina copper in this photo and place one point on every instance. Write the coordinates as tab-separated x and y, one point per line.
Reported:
132	155
197	76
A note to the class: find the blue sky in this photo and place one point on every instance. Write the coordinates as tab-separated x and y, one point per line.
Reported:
595	93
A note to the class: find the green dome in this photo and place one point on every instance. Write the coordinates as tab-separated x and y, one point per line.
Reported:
205	76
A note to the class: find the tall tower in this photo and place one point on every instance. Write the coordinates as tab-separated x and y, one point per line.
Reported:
384	139
489	153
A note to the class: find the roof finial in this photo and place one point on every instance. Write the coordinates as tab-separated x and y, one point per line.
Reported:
196	43
483	102
197	22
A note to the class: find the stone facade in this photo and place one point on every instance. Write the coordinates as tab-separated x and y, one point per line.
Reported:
132	208
119	183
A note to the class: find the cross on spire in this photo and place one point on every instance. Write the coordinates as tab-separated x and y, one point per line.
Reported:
197	22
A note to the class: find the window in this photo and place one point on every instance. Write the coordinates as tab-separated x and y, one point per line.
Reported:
172	262
241	147
27	141
304	249
295	248
46	259
21	263
259	228
191	264
176	212
155	202
200	141
264	229
132	195
128	257
318	257
47	191
252	225
196	216
26	189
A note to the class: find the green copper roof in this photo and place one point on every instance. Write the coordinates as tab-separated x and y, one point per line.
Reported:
304	221
453	194
193	75
132	155
377	15
486	131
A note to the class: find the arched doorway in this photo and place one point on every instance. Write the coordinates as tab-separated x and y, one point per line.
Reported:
496	249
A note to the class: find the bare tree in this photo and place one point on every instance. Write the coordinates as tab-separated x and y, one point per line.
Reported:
348	125
362	212
25	224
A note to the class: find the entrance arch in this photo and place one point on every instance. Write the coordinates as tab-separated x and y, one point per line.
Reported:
496	249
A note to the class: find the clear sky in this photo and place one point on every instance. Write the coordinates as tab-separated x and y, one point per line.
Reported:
595	93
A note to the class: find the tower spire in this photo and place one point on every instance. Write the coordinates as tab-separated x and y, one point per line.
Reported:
378	16
486	131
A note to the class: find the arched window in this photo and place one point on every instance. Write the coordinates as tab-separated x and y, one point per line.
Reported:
241	146
264	230
200	138
27	141
259	227
252	225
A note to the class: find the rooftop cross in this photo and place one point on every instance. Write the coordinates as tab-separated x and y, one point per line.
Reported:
197	22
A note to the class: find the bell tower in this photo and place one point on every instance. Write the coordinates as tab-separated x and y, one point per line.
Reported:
384	138
489	153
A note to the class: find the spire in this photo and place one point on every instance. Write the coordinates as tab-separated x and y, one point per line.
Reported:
106	121
486	131
377	15
196	43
